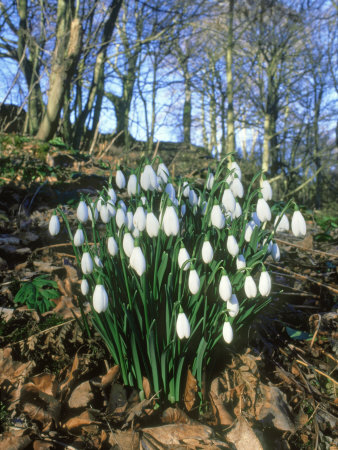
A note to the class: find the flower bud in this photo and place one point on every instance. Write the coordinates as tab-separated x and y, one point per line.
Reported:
275	253
128	244
250	287
170	190
79	237
228	201
133	187
100	299
207	252
193	199
263	210
225	288
182	326
137	261
54	225
240	262
82	212
130	220
237	188
266	190
112	195
84	286
236	169
194	281
112	246
139	220
217	217
283	224
264	285
171	225
104	213
298	224
249	227
163	173
111	208
210	181
228	333
183	257
95	211
98	261
232	245
238	211
86	263
120	179
152	225
233	306
186	189
120	218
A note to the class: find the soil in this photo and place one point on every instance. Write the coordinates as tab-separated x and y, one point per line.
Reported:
60	389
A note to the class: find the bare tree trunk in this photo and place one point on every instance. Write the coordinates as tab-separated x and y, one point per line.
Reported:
231	144
65	57
203	119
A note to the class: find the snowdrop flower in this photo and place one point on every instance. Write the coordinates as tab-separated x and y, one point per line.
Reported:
120	179
298	224
128	244
236	169
186	189
139	220
225	288
79	237
99	203
120	217
122	205
249	227
183	257
163	173
137	260
183	209
82	212
240	262
193	281
136	233
148	178
228	200
100	299
237	188
104	213
256	219
130	220
182	325
86	263
112	246
133	187
54	225
84	286
238	211
98	261
210	181
266	190
95	211
112	195
170	190
111	208
217	217
204	208
264	285
171	225
233	306
207	252
283	224
263	210
232	245
193	199
250	287
152	225
275	252
228	333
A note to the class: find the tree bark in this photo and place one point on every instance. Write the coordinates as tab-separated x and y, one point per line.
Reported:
231	144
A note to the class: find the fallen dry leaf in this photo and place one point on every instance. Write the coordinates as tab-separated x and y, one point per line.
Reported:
45	383
10	370
146	387
175	415
110	376
176	434
217	401
42	445
14	440
81	420
124	440
117	403
190	391
81	396
243	437
71	377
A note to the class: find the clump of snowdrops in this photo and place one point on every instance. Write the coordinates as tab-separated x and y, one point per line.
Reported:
171	269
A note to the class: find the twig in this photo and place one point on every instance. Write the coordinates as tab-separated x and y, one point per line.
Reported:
43	331
280	241
316	332
303	277
156	149
306	364
94	138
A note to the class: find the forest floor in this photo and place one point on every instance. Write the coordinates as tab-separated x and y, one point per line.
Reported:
60	389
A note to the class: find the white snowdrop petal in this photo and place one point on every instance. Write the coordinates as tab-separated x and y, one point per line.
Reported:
210	181
217	217
100	299
86	263
193	281
228	333
232	245
171	225
240	262
137	261
225	288
182	326
298	224
275	252
120	218
79	237
207	252
82	212
266	190
228	201
264	285
133	187
128	244
54	225
84	286
112	246
120	179
250	287
233	306
283	225
183	257
152	225
104	214
263	210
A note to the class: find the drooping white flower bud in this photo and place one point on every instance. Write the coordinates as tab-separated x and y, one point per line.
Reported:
120	218
256	219
207	252
263	210
139	220
170	190
171	225
82	212
194	281
237	188
204	207
217	217
210	181
152	225
111	208
266	190
122	205
112	246
228	333
298	224
238	211
225	288
84	286
264	285
137	261
228	200
128	244
183	257
148	178
100	299
104	213
182	326
130	220
186	189
233	306
133	187
98	261
120	179
54	225
95	211
86	263
232	245
275	252
193	199
249	227
183	209
112	195
240	262
79	237
163	173
136	233
283	225
250	287
236	169
99	203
